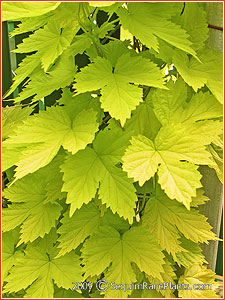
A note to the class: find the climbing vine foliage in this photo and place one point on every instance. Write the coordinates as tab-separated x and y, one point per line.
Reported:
119	105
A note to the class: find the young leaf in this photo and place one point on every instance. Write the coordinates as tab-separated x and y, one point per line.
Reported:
119	97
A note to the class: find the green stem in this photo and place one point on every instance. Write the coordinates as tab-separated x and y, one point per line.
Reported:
112	32
146	92
42	104
97	48
79	20
142	204
111	38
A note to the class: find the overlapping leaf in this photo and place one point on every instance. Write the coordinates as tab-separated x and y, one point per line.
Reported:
50	42
76	229
150	21
60	76
83	171
9	252
166	219
201	276
171	105
34	205
196	73
191	254
31	24
12	117
194	21
143	120
84	223
39	269
25	68
177	174
108	246
43	143
207	72
168	276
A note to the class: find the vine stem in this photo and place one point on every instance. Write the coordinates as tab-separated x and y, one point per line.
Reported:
146	93
113	31
19	105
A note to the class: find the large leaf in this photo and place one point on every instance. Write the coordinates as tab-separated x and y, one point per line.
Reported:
84	171
108	246
119	97
42	143
172	154
38	269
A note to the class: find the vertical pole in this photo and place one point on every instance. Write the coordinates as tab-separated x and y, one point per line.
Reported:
211	184
6	63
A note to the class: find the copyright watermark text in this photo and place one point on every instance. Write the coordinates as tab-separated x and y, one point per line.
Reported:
103	285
